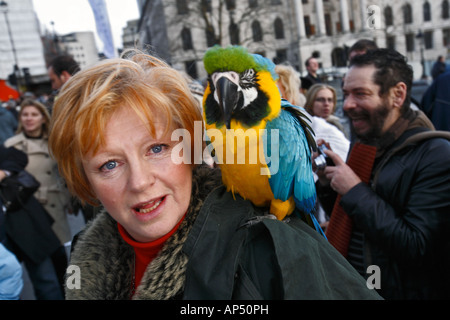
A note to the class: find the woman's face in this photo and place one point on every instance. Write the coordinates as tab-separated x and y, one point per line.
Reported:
32	121
324	103
135	179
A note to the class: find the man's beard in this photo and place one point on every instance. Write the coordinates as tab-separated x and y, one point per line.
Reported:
376	120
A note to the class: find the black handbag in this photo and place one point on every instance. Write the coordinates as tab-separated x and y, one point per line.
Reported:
16	189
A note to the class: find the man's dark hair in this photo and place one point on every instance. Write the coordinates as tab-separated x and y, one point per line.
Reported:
363	45
64	63
307	60
392	68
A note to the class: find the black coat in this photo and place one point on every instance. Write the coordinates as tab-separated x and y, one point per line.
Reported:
28	230
13	161
405	217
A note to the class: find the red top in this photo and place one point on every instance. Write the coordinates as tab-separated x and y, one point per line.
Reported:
145	252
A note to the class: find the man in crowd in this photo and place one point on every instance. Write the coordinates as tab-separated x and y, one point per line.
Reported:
436	102
312	65
396	217
61	69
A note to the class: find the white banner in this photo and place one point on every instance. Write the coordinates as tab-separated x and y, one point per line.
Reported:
103	27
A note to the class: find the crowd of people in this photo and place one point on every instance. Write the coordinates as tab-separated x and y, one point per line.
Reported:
164	230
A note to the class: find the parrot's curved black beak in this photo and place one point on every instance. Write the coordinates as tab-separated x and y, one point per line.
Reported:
228	95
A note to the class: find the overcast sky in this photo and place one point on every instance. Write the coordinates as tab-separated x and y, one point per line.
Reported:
76	15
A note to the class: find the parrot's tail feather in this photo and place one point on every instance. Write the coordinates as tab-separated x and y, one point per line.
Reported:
317	226
304	121
311	220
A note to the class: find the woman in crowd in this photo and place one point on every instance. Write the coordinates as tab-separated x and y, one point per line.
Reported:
32	138
289	85
169	229
321	101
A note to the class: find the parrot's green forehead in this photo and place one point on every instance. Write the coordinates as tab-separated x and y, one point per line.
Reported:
229	59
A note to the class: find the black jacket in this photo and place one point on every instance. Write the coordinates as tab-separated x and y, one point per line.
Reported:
28	229
13	161
405	217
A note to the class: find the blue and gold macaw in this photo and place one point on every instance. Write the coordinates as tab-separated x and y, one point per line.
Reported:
261	142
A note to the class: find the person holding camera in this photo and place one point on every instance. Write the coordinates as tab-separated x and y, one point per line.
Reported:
392	206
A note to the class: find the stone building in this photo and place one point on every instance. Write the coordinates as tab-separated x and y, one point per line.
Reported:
180	31
81	46
20	43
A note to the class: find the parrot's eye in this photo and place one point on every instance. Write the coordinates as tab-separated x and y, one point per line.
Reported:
249	73
248	78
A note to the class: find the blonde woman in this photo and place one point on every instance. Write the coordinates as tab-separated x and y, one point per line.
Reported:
32	138
289	85
321	101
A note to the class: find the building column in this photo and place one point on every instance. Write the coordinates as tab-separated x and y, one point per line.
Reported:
300	20
344	16
320	17
363	11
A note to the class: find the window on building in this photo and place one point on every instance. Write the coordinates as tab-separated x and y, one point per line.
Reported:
210	36
446	37
445	9
309	28
191	68
409	42
428	39
275	2
252	3
231	4
328	25
426	11
257	31
279	28
186	37
281	56
338	57
390	42
182	7
206	6
388	17
234	33
407	13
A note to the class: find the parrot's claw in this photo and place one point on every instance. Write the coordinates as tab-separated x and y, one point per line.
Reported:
252	221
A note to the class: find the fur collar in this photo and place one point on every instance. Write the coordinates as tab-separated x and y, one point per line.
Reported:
106	261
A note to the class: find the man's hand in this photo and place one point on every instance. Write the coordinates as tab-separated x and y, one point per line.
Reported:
3	174
341	177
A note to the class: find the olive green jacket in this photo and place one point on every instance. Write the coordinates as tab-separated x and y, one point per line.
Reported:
235	254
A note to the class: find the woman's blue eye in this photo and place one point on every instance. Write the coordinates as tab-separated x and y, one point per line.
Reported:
157	149
109	165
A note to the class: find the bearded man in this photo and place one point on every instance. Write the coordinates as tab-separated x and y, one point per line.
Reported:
399	215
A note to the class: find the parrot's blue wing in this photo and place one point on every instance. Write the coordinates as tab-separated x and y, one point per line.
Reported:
291	172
